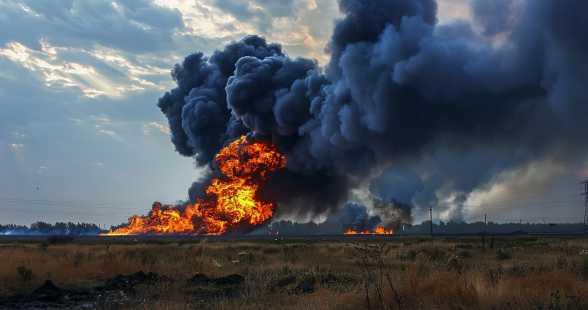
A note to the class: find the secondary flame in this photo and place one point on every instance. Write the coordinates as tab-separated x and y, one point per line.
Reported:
230	199
377	231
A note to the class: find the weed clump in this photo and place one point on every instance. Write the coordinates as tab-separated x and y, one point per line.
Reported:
26	274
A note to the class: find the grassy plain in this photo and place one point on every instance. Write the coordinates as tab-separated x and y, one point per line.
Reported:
358	273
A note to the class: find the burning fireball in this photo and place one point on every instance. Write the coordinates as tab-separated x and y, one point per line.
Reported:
377	231
229	200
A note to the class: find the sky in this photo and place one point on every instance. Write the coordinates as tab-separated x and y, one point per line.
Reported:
82	140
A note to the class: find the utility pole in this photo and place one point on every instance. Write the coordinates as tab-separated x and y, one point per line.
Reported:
543	225
485	222
521	224
585	206
431	215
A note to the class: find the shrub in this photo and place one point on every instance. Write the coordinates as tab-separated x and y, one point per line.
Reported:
26	274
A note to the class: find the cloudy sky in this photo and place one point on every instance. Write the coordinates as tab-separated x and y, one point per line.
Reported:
81	138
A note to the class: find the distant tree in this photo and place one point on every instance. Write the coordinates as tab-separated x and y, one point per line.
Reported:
42	227
61	227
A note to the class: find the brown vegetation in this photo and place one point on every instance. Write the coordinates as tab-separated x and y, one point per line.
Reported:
379	273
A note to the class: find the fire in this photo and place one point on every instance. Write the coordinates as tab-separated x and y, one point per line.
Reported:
377	231
230	199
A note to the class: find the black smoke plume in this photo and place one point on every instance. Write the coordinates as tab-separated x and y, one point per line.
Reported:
356	218
450	101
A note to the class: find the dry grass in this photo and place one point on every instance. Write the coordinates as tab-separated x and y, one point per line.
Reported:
409	273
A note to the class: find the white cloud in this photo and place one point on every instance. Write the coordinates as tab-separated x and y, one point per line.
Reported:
112	134
304	33
57	72
160	127
91	92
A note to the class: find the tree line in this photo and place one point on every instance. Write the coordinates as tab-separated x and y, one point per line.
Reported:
59	228
451	227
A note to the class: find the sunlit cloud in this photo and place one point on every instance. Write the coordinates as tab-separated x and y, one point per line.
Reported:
160	127
56	72
79	121
304	33
122	89
104	120
112	134
92	93
451	10
25	8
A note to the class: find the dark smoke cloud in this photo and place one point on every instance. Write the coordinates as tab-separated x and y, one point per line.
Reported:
455	105
199	119
355	217
397	182
393	212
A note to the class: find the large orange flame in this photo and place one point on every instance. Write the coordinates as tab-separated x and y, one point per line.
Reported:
377	231
230	199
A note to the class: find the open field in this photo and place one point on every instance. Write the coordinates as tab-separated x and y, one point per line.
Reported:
345	273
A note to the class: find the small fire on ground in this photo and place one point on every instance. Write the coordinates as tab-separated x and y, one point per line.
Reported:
377	231
229	200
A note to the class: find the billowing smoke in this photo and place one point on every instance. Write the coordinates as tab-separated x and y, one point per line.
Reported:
449	107
199	118
355	217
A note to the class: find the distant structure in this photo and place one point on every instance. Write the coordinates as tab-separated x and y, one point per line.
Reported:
585	206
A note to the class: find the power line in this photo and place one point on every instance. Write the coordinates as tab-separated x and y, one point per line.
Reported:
59	212
67	205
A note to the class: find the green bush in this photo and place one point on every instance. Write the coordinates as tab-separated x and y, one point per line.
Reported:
26	274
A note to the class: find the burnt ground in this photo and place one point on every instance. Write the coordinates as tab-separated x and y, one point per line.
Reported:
50	296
